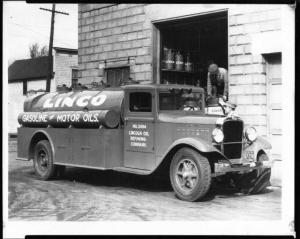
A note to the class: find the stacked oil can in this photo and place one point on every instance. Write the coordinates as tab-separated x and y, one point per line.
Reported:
175	60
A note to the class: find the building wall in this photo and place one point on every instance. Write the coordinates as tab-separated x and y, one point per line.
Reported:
114	32
16	100
15	96
63	64
123	30
126	30
247	66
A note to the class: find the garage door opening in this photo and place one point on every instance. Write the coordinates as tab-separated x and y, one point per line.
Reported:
186	47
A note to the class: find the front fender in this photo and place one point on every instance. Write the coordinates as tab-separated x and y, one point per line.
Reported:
197	143
260	144
263	143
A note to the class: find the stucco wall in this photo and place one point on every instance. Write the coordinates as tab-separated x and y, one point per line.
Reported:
16	100
63	64
15	97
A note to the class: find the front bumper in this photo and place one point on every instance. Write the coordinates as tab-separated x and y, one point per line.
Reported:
225	167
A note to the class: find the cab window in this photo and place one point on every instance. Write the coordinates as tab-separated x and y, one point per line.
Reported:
180	101
169	101
140	102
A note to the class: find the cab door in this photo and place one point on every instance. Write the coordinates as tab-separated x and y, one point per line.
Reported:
139	129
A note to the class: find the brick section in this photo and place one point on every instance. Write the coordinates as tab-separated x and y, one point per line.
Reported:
244	110
114	33
257	120
119	31
247	72
247	89
63	68
249	99
247	79
254	68
240	59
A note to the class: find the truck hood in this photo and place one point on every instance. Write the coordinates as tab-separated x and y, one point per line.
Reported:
187	118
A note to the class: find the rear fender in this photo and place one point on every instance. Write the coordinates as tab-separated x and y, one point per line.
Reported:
36	137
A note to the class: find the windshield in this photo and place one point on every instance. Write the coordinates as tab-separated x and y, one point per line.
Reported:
180	101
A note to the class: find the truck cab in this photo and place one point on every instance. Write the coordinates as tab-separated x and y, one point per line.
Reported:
137	129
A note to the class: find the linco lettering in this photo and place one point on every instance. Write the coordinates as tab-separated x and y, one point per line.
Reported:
81	101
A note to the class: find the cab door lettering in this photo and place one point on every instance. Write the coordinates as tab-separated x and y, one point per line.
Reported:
138	135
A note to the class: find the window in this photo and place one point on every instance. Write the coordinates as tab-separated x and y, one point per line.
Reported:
24	87
117	76
140	102
74	77
179	101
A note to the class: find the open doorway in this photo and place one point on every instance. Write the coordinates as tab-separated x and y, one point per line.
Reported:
184	48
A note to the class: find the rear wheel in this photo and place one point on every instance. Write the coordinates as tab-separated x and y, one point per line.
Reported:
43	160
190	174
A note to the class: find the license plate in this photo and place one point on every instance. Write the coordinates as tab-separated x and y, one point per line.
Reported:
249	155
214	110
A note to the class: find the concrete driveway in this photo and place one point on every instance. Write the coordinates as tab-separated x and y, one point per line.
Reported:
91	195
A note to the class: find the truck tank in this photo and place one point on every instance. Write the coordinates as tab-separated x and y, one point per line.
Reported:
80	109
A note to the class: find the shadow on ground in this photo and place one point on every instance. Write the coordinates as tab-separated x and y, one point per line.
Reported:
118	179
152	183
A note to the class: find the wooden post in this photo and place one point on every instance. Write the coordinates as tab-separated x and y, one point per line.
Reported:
50	56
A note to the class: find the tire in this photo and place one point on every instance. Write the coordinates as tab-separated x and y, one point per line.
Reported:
256	181
190	175
43	160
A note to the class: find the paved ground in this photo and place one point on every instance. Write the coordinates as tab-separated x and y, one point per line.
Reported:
89	195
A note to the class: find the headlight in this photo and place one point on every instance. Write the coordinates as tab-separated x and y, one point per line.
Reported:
220	121
251	134
217	135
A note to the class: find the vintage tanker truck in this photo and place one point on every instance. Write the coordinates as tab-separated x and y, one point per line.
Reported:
142	129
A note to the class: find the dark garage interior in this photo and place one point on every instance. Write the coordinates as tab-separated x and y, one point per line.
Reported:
188	46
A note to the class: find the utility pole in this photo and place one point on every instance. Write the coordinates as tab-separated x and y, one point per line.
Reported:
50	65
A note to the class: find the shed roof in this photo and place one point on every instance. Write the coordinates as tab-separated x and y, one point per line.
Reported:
66	50
28	69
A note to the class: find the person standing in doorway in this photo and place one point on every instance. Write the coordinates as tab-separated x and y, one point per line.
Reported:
217	82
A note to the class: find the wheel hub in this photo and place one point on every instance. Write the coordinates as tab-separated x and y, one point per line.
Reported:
43	159
186	175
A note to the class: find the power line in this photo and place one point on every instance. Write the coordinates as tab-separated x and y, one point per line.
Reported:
42	34
38	26
30	28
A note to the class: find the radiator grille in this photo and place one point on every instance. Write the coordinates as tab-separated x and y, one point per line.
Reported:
233	135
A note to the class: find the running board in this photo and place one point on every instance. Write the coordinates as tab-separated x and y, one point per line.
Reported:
22	159
133	170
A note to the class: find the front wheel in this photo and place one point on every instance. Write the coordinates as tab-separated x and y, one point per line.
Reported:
43	160
190	174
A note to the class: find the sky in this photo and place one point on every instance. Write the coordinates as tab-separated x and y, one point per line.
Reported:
25	24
